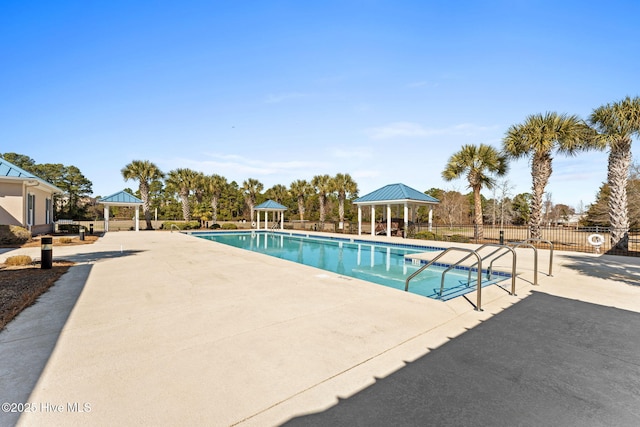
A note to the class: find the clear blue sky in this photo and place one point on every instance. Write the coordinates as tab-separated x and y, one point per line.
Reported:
282	90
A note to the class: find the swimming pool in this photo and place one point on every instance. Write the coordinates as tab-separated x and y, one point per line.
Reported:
380	263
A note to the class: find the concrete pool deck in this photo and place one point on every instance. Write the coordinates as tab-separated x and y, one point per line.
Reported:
160	328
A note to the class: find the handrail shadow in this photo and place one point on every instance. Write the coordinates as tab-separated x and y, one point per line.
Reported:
610	267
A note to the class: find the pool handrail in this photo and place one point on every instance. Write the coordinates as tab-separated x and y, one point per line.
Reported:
535	259
489	270
427	265
550	251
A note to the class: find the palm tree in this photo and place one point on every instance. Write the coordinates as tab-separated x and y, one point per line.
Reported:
617	123
299	189
343	184
215	186
538	137
478	163
183	181
251	188
145	172
278	193
323	186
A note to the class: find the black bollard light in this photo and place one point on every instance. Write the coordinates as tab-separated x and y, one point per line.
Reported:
90	228
46	253
501	237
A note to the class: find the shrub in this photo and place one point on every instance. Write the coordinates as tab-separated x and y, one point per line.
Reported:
14	235
18	260
66	240
427	235
459	238
191	225
215	226
229	226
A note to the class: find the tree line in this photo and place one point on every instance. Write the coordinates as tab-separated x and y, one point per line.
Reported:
539	138
191	194
75	186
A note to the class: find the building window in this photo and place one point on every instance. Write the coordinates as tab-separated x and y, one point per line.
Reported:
31	209
47	213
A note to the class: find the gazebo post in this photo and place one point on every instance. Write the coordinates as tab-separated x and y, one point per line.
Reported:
373	220
106	218
137	218
406	220
388	220
359	220
430	219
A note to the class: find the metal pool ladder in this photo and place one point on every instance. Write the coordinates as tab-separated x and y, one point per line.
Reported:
470	252
507	249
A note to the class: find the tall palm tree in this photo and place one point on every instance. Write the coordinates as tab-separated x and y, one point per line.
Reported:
343	184
299	189
277	193
539	136
251	188
478	164
617	123
182	181
215	186
144	172
199	186
323	186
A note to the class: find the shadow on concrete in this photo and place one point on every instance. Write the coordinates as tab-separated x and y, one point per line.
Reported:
98	256
27	342
610	267
544	361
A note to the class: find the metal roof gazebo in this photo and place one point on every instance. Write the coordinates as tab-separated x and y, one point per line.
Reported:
394	194
121	198
270	206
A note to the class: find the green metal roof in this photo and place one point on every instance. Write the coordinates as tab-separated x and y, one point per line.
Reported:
120	197
270	205
8	169
396	192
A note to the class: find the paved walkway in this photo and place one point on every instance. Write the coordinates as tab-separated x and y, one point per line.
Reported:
159	328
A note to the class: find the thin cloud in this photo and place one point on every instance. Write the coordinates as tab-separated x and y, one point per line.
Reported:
416	130
352	152
365	174
399	129
233	165
422	84
282	97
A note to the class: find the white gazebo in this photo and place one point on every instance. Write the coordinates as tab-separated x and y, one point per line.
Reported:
270	206
121	199
394	195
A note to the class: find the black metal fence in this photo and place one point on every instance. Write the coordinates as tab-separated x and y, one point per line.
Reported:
579	239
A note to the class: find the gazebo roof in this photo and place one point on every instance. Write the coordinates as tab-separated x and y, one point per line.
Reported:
396	193
121	198
270	205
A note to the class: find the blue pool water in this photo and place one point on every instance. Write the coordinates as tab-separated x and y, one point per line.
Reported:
384	264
